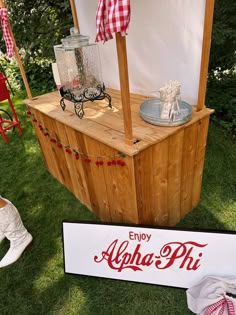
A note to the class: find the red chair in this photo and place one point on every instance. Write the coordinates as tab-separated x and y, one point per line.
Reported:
7	123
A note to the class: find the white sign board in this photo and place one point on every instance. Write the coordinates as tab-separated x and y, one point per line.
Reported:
149	255
164	43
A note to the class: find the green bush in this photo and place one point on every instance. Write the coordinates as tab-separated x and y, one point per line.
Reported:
40	77
38	72
11	70
221	94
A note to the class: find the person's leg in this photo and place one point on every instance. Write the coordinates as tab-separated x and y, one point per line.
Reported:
2	236
15	232
3	203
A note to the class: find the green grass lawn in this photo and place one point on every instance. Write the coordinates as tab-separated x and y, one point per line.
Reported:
36	284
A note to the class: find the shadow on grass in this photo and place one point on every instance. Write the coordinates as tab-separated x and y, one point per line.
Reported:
43	204
36	284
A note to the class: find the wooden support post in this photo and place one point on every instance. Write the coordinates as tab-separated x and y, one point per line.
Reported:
206	46
18	58
124	87
74	14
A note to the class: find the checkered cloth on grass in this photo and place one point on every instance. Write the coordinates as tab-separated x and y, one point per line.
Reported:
113	19
221	307
6	32
213	296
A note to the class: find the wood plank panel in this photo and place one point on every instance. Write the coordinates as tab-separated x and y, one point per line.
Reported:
160	183
58	154
80	180
199	159
175	155
51	158
120	184
39	135
144	186
188	164
97	181
64	159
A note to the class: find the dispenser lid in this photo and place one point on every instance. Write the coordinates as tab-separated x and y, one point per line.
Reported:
74	40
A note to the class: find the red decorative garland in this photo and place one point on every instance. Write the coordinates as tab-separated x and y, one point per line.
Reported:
99	162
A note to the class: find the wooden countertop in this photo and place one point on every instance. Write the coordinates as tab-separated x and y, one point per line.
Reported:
105	124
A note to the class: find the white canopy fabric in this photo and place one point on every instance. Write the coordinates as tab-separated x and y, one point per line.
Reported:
164	43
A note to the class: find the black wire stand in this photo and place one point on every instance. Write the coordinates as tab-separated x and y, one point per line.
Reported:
87	95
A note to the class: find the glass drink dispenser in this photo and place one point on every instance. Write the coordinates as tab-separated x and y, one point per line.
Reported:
79	69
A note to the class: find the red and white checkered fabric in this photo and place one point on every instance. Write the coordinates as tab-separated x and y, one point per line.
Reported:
6	32
221	307
112	20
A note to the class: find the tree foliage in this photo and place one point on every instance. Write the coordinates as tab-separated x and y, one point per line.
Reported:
37	26
221	89
223	47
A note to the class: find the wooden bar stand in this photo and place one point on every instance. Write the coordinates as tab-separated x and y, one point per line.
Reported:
155	181
122	168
